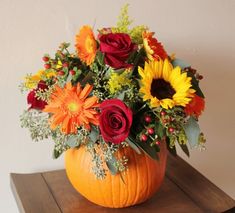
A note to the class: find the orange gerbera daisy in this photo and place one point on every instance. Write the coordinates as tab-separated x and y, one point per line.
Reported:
86	45
153	48
71	108
195	106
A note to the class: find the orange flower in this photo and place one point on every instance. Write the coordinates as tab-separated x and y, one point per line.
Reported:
196	106
153	48
71	108
86	45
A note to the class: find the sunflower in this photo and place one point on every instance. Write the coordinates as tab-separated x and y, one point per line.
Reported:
164	85
71	108
86	45
153	48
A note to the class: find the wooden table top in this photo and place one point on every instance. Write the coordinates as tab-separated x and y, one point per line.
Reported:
183	190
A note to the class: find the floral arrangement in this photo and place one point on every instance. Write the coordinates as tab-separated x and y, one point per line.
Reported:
118	88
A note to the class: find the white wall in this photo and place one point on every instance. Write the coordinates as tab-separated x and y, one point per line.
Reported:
199	31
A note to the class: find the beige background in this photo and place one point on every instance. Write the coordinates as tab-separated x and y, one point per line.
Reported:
200	31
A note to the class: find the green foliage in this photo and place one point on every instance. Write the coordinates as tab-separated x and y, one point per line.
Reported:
146	148
44	94
73	141
124	23
195	85
192	131
111	164
37	123
133	146
160	130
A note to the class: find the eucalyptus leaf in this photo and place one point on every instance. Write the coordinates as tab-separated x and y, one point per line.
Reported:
178	62
94	134
121	95
111	165
133	146
192	131
73	141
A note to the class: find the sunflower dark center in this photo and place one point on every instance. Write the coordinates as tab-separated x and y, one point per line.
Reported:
161	89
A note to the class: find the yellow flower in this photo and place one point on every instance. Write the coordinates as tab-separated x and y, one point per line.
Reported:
31	81
118	81
49	74
59	65
86	45
164	85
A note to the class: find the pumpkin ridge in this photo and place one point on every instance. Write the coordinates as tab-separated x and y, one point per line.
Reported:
101	192
120	189
126	181
112	190
138	179
133	182
148	177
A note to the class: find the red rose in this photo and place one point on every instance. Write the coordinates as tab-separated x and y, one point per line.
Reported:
33	100
116	48
115	121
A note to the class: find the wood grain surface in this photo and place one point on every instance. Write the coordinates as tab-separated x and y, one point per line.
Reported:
183	190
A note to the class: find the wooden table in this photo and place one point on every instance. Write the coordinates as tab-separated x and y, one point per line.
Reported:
184	190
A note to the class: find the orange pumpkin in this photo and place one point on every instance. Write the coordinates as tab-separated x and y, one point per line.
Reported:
142	178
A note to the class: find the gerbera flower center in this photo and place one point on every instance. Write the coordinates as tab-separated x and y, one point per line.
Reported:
161	89
73	107
90	44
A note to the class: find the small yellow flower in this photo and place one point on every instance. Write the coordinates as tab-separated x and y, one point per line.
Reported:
118	81
31	81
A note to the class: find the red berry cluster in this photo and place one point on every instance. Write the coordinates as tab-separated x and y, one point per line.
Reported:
194	72
49	62
149	131
167	121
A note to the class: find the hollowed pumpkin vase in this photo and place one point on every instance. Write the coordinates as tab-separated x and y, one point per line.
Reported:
141	180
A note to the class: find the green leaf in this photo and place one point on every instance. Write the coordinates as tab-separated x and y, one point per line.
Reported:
111	165
184	147
100	58
160	130
192	131
132	57
133	146
56	154
172	150
73	141
140	54
146	148
178	62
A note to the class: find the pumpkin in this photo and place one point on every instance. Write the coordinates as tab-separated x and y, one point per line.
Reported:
141	180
